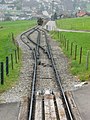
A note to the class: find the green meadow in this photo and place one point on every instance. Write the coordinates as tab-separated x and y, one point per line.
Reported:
16	27
82	23
7	48
76	41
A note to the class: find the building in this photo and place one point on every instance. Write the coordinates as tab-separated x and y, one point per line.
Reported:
82	13
6	6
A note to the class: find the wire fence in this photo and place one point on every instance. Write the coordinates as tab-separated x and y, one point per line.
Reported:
8	65
75	51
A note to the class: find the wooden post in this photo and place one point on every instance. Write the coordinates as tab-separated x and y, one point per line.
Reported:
12	61
2	73
75	52
67	45
16	56
58	34
87	60
62	40
65	41
7	65
13	38
80	56
18	51
71	48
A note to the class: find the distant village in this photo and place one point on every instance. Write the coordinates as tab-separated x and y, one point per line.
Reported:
29	9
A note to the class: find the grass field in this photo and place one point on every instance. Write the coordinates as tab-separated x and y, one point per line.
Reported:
7	47
74	23
66	39
6	44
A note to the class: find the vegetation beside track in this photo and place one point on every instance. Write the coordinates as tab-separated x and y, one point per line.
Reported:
16	27
74	23
77	41
7	48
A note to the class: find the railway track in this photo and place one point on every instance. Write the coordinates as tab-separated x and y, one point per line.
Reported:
47	97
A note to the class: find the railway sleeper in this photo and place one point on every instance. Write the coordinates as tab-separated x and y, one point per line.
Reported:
49	106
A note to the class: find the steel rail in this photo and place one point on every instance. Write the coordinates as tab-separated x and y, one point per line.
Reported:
48	51
36	43
58	79
34	74
50	56
26	43
35	29
33	88
36	56
61	89
31	31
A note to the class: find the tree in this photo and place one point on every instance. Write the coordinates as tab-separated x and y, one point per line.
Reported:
18	4
7	18
55	16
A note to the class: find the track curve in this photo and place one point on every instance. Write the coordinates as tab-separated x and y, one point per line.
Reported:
47	98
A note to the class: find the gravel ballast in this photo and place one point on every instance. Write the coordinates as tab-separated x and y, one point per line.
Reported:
22	88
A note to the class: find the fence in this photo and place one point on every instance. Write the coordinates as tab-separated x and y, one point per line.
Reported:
73	50
8	65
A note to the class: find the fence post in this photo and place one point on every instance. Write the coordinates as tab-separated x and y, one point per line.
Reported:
80	56
60	37
18	51
62	40
58	34
67	44
87	60
13	38
71	48
75	51
12	61
7	65
2	73
16	56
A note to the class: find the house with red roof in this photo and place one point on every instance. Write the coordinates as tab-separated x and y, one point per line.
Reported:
82	13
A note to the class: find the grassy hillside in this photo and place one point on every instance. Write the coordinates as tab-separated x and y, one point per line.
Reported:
7	47
74	23
65	40
74	41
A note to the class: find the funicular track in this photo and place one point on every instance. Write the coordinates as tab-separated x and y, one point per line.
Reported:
47	98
